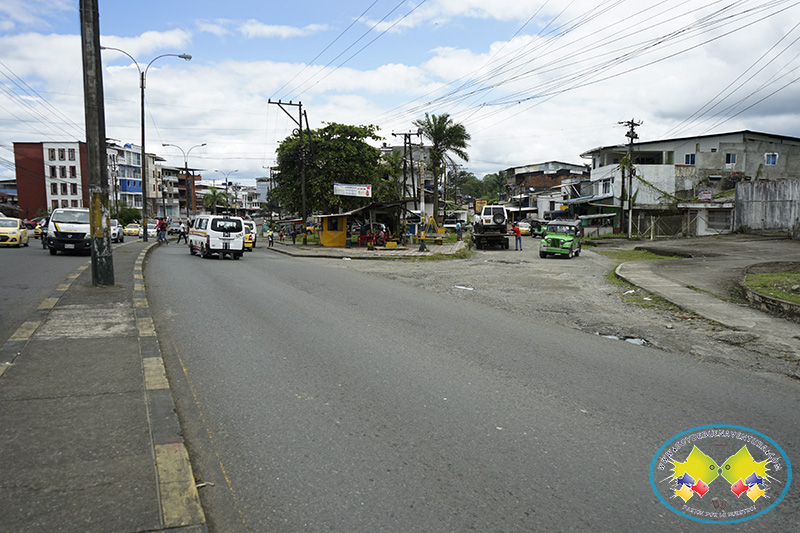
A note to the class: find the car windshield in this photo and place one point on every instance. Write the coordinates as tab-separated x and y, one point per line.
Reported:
226	224
8	223
560	228
114	222
71	217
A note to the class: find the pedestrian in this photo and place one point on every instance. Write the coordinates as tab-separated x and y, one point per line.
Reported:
281	234
293	233
182	234
270	237
517	237
458	230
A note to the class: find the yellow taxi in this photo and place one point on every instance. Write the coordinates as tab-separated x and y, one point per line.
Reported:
132	229
13	232
249	235
524	228
40	228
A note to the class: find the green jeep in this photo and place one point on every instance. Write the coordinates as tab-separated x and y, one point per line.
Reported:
561	237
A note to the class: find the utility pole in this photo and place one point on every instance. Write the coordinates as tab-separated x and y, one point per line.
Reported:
97	153
299	122
631	135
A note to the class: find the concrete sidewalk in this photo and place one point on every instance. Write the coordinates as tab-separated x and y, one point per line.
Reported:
697	284
89	437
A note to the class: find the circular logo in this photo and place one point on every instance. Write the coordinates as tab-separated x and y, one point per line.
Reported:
720	474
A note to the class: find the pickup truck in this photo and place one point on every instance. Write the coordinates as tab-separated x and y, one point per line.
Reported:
491	227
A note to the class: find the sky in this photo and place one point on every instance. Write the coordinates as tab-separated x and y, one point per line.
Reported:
532	81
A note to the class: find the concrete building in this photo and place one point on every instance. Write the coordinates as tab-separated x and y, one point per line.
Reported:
541	190
687	171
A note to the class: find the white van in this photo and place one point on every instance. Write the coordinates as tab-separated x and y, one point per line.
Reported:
69	230
217	234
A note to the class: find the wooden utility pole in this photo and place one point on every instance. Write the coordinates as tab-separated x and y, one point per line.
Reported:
299	122
97	153
631	135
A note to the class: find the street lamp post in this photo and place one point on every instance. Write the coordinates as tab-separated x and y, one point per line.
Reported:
226	174
189	183
142	80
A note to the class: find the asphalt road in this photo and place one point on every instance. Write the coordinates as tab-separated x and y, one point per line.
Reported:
316	398
29	276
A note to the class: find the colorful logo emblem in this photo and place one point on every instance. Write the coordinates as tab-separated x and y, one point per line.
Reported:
720	474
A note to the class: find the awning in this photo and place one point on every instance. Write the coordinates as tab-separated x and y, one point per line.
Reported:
598	215
587	199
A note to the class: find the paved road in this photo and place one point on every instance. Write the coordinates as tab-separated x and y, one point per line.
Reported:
317	398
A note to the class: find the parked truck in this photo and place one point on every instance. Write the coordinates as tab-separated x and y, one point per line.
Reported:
491	227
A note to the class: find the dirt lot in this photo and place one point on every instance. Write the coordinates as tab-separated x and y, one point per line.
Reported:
577	293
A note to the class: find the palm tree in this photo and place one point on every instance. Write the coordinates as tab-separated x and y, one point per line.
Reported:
214	197
445	136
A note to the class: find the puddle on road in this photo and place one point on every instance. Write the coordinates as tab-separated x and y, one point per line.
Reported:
633	340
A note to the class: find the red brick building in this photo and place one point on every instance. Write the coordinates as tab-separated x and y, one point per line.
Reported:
50	175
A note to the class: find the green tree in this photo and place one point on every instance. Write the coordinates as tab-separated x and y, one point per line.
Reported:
472	187
445	137
337	153
214	197
495	183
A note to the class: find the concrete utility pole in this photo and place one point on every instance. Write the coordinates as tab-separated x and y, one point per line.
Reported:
299	123
97	154
631	135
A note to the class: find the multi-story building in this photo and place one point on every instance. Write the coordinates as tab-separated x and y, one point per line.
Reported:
125	174
50	175
674	174
541	189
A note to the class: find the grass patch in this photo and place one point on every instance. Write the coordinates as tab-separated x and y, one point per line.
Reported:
631	293
777	285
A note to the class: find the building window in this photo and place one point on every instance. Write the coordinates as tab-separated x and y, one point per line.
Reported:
771	159
606	187
62	154
51	154
75	203
64	189
73	172
730	160
64	203
53	171
71	154
73	189
62	172
54	188
54	204
689	159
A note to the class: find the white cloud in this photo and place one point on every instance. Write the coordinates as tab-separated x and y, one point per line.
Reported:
148	43
31	13
255	29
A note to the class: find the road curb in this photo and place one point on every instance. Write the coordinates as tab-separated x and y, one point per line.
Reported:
178	496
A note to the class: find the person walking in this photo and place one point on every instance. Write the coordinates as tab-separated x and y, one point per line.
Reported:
270	238
517	237
182	234
293	233
459	230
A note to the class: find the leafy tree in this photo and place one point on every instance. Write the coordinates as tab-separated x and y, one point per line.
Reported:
445	137
215	197
495	183
126	214
337	153
472	187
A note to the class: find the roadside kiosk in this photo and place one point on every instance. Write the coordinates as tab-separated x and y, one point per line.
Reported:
334	230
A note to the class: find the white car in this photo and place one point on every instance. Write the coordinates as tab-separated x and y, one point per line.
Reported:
151	231
117	231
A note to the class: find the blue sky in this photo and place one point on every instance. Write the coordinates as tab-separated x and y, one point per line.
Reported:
531	80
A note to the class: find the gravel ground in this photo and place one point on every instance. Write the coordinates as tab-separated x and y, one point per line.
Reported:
576	293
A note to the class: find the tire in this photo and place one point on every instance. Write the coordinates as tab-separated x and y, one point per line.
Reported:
543	255
498	218
577	252
237	256
191	250
570	254
203	252
53	251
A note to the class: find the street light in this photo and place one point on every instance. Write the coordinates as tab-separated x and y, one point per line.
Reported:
189	183
226	174
142	79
